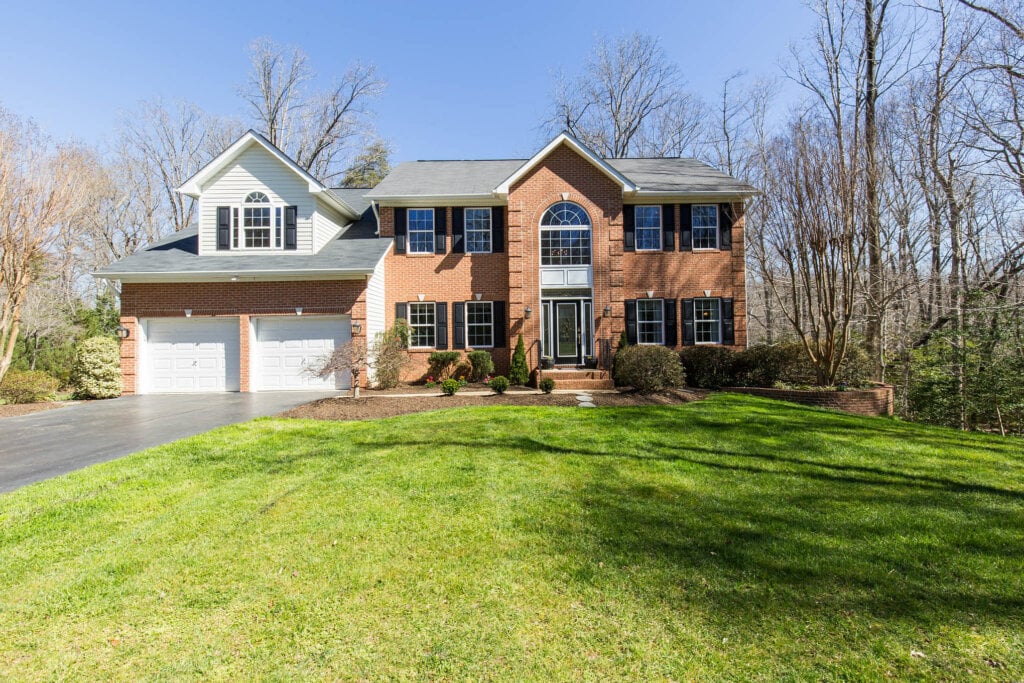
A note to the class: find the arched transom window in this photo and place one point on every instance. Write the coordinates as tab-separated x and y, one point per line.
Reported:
565	235
256	221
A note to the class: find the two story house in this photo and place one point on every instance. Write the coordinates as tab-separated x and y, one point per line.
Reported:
566	248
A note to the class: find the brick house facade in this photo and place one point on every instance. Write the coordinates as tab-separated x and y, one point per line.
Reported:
472	254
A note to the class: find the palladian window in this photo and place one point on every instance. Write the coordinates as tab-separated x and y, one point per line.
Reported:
565	236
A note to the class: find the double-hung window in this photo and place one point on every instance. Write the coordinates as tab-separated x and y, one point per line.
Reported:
705	226
480	324
478	231
256	223
421	324
707	321
648	228
650	321
421	231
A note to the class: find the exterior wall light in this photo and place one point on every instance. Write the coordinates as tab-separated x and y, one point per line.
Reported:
122	332
528	312
357	328
188	312
608	311
298	310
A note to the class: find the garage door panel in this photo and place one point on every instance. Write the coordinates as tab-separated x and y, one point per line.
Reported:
191	354
287	347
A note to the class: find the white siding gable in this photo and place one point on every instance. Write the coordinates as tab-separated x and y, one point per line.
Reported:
256	169
327	222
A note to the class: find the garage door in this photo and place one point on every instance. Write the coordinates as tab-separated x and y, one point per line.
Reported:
186	355
286	348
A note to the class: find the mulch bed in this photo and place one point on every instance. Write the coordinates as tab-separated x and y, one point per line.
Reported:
14	410
374	404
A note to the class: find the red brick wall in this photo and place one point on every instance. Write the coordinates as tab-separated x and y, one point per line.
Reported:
242	299
878	401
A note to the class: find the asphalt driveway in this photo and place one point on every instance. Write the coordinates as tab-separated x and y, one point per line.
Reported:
46	444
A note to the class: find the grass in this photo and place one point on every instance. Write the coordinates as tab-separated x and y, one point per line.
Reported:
734	538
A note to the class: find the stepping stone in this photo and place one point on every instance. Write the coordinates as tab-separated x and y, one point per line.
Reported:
584	397
587	404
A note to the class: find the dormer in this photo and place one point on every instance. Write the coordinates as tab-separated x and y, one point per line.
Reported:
253	199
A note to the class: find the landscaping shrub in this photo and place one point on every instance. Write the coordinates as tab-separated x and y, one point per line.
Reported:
388	355
518	372
708	367
547	385
450	386
856	369
96	372
499	384
648	368
29	386
443	363
482	365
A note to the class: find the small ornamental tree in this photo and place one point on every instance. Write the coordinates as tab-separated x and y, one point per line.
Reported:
350	357
518	372
96	372
388	355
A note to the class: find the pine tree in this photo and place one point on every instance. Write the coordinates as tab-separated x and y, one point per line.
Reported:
518	372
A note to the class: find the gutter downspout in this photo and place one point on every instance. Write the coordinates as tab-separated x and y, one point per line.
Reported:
376	214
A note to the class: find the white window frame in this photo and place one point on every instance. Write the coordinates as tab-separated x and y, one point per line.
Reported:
409	231
647	228
466	229
490	307
429	306
694	228
659	308
245	230
717	321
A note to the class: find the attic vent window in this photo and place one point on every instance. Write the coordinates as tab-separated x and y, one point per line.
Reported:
256	221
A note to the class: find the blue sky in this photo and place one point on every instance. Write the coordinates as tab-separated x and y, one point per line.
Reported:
466	79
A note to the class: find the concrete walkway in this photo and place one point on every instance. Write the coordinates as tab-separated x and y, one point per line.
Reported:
49	443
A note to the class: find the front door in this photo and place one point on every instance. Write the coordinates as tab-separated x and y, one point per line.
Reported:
567	333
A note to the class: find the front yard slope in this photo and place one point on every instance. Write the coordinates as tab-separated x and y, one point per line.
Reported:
733	538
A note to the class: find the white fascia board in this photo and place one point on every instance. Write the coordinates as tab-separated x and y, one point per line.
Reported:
244	276
427	201
691	197
193	187
574	144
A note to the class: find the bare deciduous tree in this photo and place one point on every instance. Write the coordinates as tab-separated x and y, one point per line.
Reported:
350	357
315	128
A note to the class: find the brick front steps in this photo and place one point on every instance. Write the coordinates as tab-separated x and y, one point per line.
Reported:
571	378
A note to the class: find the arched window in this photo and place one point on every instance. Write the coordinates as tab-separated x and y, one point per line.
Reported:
565	235
256	223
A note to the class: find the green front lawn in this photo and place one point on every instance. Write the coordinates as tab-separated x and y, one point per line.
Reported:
732	538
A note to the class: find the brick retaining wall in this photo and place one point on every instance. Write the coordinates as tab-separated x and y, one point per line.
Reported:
877	401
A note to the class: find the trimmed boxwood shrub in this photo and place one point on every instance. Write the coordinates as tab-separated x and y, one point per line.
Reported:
443	363
96	372
482	365
29	386
499	384
547	385
708	367
648	368
450	386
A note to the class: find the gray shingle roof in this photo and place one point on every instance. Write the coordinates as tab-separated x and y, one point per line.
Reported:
355	250
452	178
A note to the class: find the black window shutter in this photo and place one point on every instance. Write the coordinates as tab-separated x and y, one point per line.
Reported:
458	229
670	323
685	228
441	325
499	324
668	227
631	321
291	230
402	311
440	230
728	323
688	337
400	231
223	227
629	228
458	325
725	219
497	229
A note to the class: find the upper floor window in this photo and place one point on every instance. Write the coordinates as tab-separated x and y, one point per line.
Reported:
478	231
565	235
421	231
256	221
707	320
648	228
705	226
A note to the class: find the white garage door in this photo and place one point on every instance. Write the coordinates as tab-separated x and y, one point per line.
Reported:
187	355
286	348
